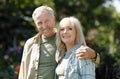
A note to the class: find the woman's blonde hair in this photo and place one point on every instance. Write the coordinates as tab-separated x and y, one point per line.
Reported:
61	49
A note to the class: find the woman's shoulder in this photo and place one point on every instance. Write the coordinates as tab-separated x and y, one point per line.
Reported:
75	48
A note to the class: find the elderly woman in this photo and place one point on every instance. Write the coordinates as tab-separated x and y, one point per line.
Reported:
69	38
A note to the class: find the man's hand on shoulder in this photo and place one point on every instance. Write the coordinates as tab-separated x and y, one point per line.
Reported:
85	52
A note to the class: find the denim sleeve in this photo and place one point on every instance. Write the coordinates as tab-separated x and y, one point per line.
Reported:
86	69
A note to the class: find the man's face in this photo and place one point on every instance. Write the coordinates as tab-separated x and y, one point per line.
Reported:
45	23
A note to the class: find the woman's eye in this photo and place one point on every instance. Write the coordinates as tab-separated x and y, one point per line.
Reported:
61	29
70	28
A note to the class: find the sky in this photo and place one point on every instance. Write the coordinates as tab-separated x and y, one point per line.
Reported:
116	4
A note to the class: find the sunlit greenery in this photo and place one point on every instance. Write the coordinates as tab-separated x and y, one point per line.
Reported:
101	26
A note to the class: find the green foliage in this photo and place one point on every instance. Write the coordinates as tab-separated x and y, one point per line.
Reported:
16	26
100	25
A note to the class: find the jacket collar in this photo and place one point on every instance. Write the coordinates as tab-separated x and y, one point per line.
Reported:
37	37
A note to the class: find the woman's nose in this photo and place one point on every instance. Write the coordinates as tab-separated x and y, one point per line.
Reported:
65	30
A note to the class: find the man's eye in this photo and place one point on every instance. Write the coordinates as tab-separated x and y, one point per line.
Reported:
39	23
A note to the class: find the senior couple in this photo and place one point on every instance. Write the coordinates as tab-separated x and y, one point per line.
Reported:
61	54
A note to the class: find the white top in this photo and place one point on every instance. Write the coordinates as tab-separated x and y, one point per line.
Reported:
62	66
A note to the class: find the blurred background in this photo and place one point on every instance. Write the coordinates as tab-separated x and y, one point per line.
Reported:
100	20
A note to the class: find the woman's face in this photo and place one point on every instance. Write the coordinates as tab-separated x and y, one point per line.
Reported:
67	32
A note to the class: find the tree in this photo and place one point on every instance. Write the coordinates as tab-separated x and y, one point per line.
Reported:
100	25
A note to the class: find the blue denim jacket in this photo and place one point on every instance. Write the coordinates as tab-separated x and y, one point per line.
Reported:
79	69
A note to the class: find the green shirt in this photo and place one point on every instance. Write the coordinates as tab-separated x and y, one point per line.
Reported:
47	63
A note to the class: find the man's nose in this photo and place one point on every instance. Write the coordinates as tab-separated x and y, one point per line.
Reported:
43	25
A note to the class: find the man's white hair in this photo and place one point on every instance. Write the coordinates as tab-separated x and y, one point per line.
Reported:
41	8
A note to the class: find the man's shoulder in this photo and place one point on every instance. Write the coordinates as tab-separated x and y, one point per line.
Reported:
34	39
30	41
